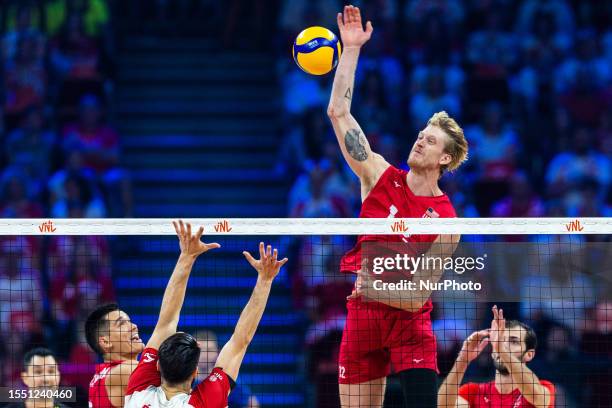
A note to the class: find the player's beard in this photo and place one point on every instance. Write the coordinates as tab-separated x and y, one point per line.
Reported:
500	367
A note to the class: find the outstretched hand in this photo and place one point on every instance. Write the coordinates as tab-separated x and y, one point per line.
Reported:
498	329
473	346
190	244
351	28
267	266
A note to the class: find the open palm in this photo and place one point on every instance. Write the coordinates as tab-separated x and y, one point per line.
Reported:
351	28
189	243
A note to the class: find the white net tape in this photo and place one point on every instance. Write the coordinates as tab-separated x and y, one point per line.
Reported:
310	226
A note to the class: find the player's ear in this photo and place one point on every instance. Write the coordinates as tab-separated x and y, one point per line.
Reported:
528	356
105	343
445	159
157	366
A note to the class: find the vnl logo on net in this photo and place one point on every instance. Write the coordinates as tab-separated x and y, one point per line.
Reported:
574	226
46	226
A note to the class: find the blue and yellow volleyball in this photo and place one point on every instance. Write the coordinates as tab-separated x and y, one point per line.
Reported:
316	50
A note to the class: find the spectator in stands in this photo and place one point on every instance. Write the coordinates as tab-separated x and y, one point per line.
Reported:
74	54
98	143
20	281
596	343
25	79
18	195
314	193
30	147
560	11
491	53
433	99
521	202
21	304
23	28
567	169
584	101
75	196
494	146
241	396
77	286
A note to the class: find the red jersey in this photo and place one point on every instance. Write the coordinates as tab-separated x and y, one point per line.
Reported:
392	198
144	388
486	395
98	397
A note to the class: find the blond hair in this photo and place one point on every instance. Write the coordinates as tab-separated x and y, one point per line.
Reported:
457	146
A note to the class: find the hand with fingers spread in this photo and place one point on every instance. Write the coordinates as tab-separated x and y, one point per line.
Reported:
473	346
190	244
351	28
267	266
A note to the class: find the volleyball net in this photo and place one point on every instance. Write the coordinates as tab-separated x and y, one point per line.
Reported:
553	274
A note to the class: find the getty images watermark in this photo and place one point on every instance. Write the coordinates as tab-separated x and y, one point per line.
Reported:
419	267
404	264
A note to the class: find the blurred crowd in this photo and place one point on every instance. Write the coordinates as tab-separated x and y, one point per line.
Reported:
531	84
59	157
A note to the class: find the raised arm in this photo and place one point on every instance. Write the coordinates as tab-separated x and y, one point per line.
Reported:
448	393
172	302
267	267
526	381
366	164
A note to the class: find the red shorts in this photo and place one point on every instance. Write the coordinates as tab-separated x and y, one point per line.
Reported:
378	337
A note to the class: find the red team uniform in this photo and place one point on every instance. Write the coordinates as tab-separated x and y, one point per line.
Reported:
144	388
486	395
98	397
377	336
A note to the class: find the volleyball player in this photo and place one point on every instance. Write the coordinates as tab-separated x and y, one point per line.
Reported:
169	362
378	335
514	386
112	335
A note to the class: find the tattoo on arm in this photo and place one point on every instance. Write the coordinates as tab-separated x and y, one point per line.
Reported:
355	143
348	94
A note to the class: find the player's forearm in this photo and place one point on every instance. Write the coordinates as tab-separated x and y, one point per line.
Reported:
526	381
174	294
449	390
344	80
252	313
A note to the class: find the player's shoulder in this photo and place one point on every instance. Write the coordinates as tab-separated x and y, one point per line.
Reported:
549	385
388	176
149	355
213	391
471	388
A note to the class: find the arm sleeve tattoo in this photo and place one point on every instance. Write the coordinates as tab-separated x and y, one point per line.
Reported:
355	143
